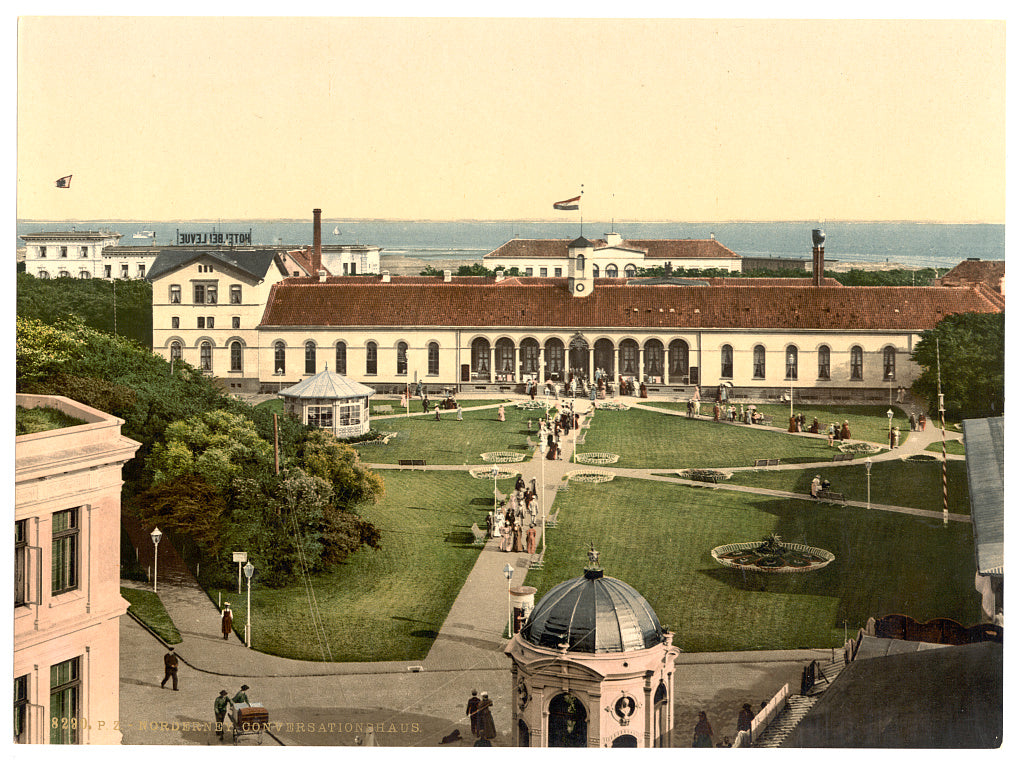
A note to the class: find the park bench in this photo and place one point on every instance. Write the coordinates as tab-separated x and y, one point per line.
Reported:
832	497
766	463
479	537
844	457
412	462
552	520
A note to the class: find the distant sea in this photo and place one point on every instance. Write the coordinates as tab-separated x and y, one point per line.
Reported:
910	244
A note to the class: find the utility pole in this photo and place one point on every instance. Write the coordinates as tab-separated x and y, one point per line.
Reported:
942	424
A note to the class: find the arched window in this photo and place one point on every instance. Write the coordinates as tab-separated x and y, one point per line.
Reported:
371	358
340	358
629	270
726	361
83	275
604	358
44	275
791	359
206	356
433	359
175	350
597	271
481	352
529	353
611	271
678	361
236	356
554	357
506	349
758	372
653	354
824	363
857	364
629	352
402	365
279	358
64	273
567	722
889	363
310	357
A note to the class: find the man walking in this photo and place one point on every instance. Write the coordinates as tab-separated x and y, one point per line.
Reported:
220	710
474	718
170	668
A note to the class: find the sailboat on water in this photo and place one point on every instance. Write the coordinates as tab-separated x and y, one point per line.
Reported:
337	231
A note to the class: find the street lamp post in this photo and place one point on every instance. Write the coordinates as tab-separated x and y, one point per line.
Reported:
509	570
155	536
889	414
867	466
249	570
792	367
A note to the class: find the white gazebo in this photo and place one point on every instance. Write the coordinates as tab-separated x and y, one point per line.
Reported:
330	401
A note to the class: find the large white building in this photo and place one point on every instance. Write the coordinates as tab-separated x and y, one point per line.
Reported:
80	254
761	336
67	599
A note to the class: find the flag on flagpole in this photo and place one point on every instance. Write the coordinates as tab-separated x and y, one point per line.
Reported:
64	182
572	204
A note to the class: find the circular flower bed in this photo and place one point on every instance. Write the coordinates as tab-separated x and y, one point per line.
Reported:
859	448
502	457
591	476
531	404
772	556
488	472
596	458
613	406
920	457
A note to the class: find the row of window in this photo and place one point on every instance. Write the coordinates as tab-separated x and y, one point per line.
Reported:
205	323
62	251
604	351
205	293
107	272
65	703
610	270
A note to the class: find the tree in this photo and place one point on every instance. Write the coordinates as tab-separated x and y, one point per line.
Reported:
971	352
321	455
188	505
218	446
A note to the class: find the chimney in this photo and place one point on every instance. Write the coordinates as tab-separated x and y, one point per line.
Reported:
322	274
316	241
499	275
818	257
447	275
668	269
385	276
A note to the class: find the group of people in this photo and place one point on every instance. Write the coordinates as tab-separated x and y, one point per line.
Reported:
516	521
481	721
818	485
703	735
220	704
918	422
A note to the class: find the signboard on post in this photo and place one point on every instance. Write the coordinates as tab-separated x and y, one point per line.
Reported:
239	557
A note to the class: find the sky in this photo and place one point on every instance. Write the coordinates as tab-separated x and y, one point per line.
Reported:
161	118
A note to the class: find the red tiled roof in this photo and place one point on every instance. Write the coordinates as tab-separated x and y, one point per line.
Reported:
969	272
660	250
478	302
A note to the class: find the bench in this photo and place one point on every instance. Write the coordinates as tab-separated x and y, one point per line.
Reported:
412	462
479	537
844	457
832	497
766	463
552	520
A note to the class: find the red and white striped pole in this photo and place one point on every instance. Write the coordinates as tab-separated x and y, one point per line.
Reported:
942	423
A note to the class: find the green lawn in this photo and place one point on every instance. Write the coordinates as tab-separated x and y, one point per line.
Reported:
658	537
916	484
387	604
953	447
449	441
657	440
867	422
149	609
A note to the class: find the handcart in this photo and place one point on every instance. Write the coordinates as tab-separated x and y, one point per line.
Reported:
248	721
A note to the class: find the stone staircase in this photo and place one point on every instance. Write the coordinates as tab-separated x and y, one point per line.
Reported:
797	706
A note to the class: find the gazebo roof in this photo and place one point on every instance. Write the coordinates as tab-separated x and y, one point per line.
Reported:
327	385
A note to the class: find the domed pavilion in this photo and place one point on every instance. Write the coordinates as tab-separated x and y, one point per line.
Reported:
330	401
593	667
